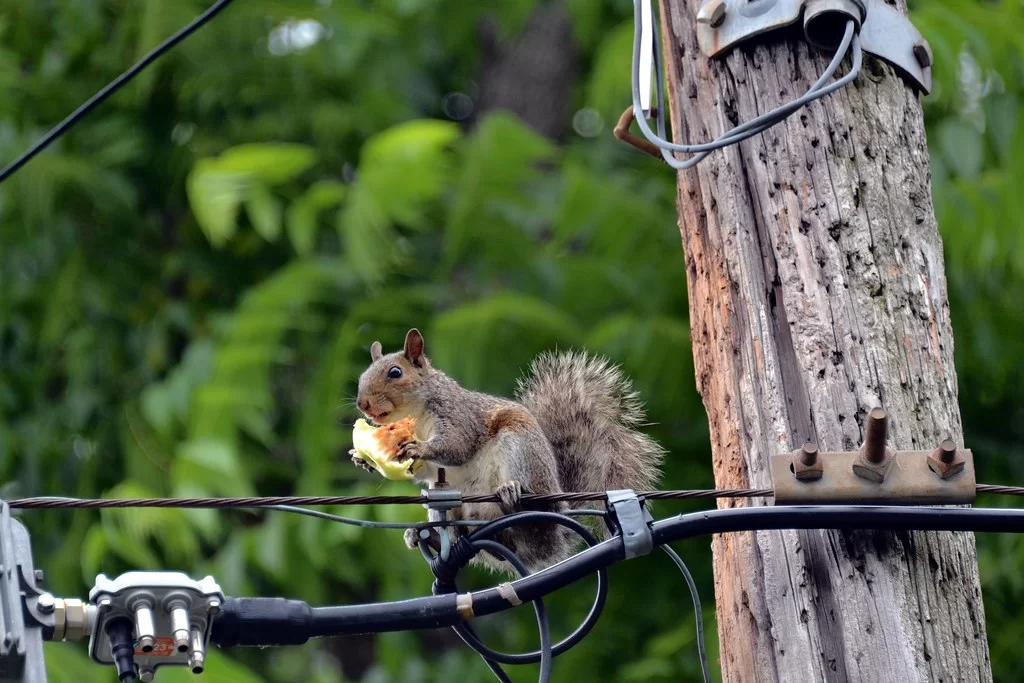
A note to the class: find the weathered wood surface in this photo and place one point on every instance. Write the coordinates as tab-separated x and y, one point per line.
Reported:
817	292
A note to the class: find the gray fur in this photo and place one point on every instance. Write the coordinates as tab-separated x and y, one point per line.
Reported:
573	429
590	412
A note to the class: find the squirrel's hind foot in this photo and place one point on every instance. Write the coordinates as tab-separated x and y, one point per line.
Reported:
412	539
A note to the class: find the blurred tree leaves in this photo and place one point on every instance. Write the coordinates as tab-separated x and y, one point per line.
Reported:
193	276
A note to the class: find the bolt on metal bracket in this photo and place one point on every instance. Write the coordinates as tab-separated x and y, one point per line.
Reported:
885	32
875	474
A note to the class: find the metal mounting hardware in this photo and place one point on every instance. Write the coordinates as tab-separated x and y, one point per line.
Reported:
885	32
440	497
25	622
874	460
171	613
874	473
632	519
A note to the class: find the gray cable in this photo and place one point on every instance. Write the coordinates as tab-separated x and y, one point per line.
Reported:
765	121
365	523
368	524
758	124
695	595
745	130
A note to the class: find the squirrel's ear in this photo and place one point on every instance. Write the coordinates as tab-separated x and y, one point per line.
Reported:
376	351
414	347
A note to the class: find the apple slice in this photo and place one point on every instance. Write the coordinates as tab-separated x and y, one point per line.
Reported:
379	447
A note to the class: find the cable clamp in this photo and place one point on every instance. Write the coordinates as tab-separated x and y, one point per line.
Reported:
442	499
632	519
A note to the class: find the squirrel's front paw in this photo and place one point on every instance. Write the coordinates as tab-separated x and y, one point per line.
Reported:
359	462
411	449
511	495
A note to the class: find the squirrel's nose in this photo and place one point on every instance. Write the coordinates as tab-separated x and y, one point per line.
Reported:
364	404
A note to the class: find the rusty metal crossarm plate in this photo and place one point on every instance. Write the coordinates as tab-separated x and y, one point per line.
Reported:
908	482
886	33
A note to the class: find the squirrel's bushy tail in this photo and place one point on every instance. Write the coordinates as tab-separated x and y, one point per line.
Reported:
590	413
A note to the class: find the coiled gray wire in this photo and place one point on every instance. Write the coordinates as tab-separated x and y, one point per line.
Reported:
850	42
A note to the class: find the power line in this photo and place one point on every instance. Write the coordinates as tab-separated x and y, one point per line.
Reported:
112	87
66	502
1000	490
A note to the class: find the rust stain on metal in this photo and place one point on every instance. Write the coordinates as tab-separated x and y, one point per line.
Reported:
946	460
806	465
910	481
874	459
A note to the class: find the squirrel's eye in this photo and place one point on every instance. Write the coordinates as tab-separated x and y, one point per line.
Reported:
395	372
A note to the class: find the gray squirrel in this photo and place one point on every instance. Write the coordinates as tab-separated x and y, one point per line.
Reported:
573	427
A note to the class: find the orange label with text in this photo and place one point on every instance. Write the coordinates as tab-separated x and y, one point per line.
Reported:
164	647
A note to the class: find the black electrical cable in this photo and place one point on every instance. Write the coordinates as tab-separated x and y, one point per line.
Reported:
544	626
434	561
479	540
111	88
119	633
697	611
532	517
274	621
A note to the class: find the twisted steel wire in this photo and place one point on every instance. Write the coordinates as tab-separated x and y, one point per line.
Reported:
60	502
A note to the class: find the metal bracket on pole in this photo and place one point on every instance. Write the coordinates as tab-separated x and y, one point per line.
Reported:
885	32
875	474
22	618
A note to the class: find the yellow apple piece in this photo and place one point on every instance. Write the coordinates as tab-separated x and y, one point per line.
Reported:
379	447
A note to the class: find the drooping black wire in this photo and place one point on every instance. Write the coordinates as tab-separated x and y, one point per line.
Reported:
111	88
544	626
532	517
479	540
695	596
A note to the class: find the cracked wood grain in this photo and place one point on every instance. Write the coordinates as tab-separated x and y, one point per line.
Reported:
817	292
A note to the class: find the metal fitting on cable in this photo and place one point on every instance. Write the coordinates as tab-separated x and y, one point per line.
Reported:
440	496
72	618
441	499
825	21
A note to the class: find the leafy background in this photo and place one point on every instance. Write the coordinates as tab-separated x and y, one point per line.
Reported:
191	280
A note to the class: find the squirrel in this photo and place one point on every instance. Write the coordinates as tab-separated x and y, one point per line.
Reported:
573	427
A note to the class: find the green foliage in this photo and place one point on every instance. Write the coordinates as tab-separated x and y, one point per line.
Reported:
193	276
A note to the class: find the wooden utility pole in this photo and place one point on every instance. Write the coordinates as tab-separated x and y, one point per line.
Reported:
817	292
